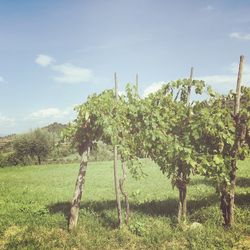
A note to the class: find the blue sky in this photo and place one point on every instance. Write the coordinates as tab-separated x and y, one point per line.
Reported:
54	53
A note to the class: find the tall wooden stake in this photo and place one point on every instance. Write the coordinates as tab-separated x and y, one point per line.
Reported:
182	212
236	143
116	179
124	193
190	84
137	82
238	87
75	204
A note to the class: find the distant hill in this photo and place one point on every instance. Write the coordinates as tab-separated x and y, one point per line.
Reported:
55	127
6	141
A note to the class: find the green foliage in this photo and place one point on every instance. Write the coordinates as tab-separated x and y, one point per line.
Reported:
101	152
92	121
182	137
104	119
36	144
214	134
137	228
164	127
6	143
59	152
9	159
196	138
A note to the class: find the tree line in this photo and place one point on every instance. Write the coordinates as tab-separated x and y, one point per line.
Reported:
35	147
44	146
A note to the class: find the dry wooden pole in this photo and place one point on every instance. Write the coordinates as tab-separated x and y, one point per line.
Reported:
116	179
116	87
125	194
137	82
182	211
190	84
238	87
184	191
75	204
236	143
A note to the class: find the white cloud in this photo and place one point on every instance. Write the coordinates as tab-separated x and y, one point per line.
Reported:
34	120
68	73
6	121
234	67
71	73
208	8
2	80
46	116
153	88
219	79
44	60
240	36
220	82
49	113
226	82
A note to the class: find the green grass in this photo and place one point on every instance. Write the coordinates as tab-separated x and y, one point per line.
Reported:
34	204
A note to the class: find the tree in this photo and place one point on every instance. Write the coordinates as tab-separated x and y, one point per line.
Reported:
182	138
88	128
164	123
36	144
101	118
223	137
185	139
203	138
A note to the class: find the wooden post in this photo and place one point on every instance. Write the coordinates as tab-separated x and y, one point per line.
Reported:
116	179
191	75
137	82
75	204
116	87
190	84
125	194
182	183
236	143
238	87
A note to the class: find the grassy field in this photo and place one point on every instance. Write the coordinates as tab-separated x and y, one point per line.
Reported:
34	203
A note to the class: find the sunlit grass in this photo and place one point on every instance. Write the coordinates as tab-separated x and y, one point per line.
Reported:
34	203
